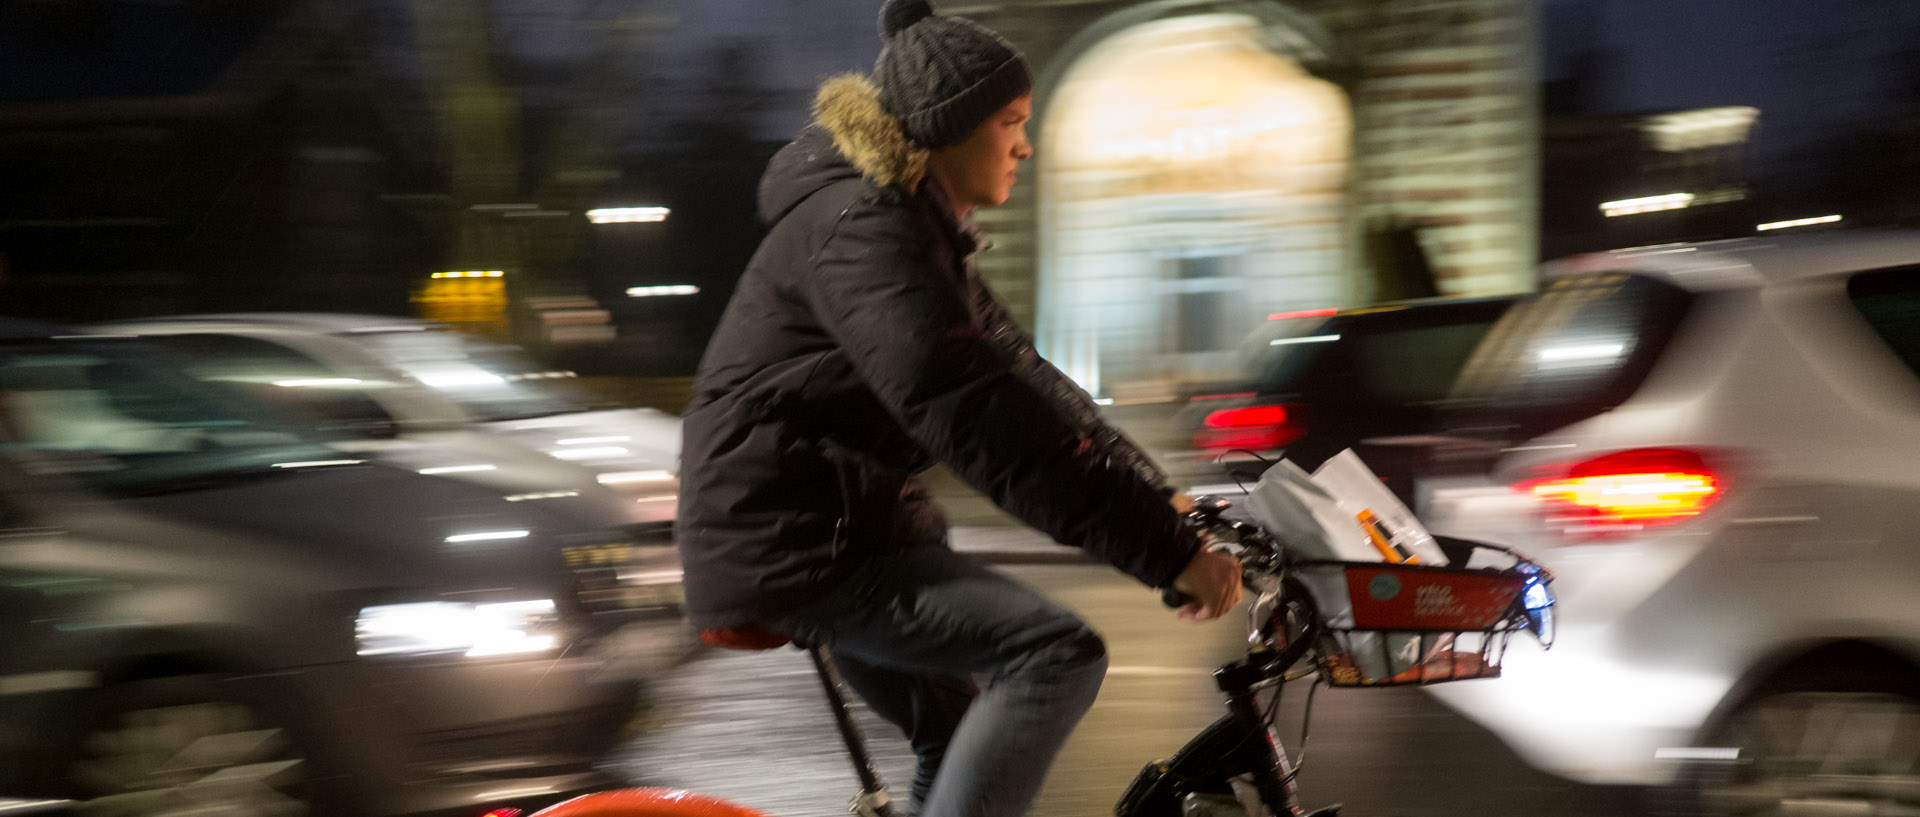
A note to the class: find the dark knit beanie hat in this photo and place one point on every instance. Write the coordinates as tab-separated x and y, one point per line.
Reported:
943	76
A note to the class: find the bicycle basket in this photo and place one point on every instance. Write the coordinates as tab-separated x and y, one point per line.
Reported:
1398	624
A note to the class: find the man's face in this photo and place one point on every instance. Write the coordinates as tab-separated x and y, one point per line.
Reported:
979	172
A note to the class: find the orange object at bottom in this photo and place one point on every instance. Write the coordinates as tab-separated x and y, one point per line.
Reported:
647	803
749	638
1445	666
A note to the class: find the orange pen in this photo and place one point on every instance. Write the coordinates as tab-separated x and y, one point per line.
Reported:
1391	552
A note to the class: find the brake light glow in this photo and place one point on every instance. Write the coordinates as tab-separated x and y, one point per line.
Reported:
1303	313
1642	487
1255	427
1249	416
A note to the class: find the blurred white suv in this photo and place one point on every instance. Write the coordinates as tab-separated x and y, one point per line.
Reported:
1717	448
445	402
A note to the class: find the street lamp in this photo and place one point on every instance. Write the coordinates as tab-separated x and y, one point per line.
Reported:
625	215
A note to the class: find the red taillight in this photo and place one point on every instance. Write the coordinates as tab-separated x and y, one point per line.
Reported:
1249	416
1254	427
1303	313
1642	487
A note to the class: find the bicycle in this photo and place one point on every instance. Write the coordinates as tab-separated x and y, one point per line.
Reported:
1345	624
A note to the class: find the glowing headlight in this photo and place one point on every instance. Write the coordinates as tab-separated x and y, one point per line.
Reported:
426	628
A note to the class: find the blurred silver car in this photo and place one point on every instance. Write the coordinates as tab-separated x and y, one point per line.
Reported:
202	612
1717	448
384	385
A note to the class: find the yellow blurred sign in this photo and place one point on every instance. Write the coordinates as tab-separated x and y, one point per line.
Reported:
473	300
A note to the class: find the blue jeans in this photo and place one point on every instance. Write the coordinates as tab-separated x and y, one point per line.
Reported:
911	638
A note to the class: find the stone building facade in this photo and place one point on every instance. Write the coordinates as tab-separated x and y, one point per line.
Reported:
1202	164
1207	163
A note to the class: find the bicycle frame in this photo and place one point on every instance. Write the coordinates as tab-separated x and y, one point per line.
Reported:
1242	746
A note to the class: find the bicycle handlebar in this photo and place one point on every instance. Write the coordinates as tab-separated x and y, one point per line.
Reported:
1174	599
1206	518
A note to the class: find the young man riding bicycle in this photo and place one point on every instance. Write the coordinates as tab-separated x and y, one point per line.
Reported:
861	348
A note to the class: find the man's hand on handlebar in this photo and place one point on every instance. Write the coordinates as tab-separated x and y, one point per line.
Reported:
1211	583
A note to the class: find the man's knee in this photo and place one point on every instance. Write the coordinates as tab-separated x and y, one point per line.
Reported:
1065	647
1085	649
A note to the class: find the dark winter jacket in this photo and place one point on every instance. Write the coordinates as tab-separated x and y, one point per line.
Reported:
860	348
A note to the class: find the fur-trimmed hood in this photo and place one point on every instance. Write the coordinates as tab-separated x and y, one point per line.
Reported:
851	136
848	106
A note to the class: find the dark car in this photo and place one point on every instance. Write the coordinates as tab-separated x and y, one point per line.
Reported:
1315	383
201	612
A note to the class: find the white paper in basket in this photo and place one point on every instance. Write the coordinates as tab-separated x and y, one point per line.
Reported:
1317	518
1351	483
1306	518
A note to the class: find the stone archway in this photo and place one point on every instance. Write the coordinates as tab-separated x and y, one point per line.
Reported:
1192	180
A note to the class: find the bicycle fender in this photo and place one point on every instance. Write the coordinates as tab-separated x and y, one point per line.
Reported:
647	803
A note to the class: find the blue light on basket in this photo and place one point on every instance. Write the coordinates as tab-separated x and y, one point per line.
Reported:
1537	596
1539	603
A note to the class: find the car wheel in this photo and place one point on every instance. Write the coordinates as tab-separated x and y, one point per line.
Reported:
1816	754
186	746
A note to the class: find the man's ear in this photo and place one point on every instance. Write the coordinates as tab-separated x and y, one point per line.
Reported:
916	171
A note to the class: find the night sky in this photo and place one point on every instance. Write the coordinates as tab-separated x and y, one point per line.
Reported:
1808	65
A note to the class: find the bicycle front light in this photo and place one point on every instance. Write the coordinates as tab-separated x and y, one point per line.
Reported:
1537	596
1538	600
441	627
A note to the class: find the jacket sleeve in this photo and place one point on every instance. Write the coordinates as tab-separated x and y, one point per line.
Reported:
1073	401
906	327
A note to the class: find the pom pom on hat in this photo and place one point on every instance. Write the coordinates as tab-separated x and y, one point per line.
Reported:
898	14
942	76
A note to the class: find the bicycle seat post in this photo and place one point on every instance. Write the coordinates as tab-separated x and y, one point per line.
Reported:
872	800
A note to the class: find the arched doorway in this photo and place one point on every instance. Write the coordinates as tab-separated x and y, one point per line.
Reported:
1192	181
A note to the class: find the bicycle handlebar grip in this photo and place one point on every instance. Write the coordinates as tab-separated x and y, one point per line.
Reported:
1174	599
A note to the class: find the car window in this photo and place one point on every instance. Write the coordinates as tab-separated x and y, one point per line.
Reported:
1578	347
1280	352
1397	354
1890	301
299	389
491	381
113	416
1417	364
